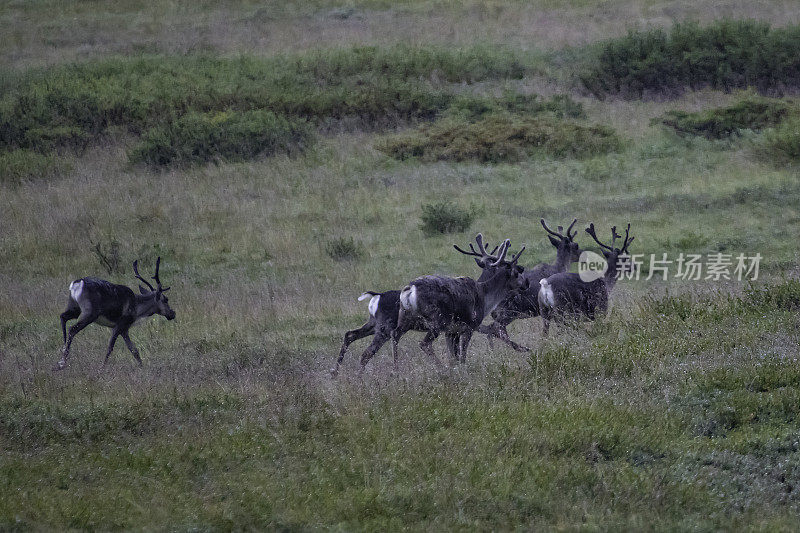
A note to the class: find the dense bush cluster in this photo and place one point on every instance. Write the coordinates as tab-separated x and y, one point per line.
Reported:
230	135
725	55
445	217
499	138
750	113
73	105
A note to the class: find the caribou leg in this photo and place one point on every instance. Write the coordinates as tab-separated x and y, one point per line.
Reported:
72	311
379	340
452	346
464	344
132	347
427	346
351	336
404	325
83	321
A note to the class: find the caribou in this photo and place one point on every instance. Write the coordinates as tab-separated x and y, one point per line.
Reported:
93	300
525	304
384	310
566	295
457	306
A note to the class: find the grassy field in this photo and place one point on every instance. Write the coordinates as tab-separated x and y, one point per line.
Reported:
677	411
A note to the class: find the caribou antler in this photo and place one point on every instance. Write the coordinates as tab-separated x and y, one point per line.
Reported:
158	281
560	232
482	254
503	251
516	256
571	237
139	277
591	232
614	236
627	241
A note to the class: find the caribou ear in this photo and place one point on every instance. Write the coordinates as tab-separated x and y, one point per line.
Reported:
555	242
143	290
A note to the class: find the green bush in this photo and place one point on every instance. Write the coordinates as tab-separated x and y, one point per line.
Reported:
232	136
781	145
22	165
751	113
725	55
499	138
445	217
472	107
453	65
344	249
74	104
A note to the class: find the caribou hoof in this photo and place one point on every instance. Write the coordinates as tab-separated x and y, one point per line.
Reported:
61	365
334	372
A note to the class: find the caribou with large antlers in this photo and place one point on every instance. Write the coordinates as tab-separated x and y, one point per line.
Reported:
457	306
384	310
525	304
567	295
113	306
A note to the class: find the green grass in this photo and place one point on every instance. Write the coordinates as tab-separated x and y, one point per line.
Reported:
676	411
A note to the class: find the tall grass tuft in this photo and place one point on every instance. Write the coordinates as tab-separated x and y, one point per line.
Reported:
344	249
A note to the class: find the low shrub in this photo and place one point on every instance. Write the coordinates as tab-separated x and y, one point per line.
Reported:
344	249
472	107
725	55
781	145
23	165
751	113
453	65
499	138
231	135
445	217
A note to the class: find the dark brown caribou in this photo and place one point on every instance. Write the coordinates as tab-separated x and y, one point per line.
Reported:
93	300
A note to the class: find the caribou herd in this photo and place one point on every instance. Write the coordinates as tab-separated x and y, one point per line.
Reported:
455	307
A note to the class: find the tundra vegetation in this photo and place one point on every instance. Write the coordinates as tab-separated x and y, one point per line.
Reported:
254	147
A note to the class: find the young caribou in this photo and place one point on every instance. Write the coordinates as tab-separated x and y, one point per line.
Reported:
457	306
567	295
525	304
384	308
113	306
